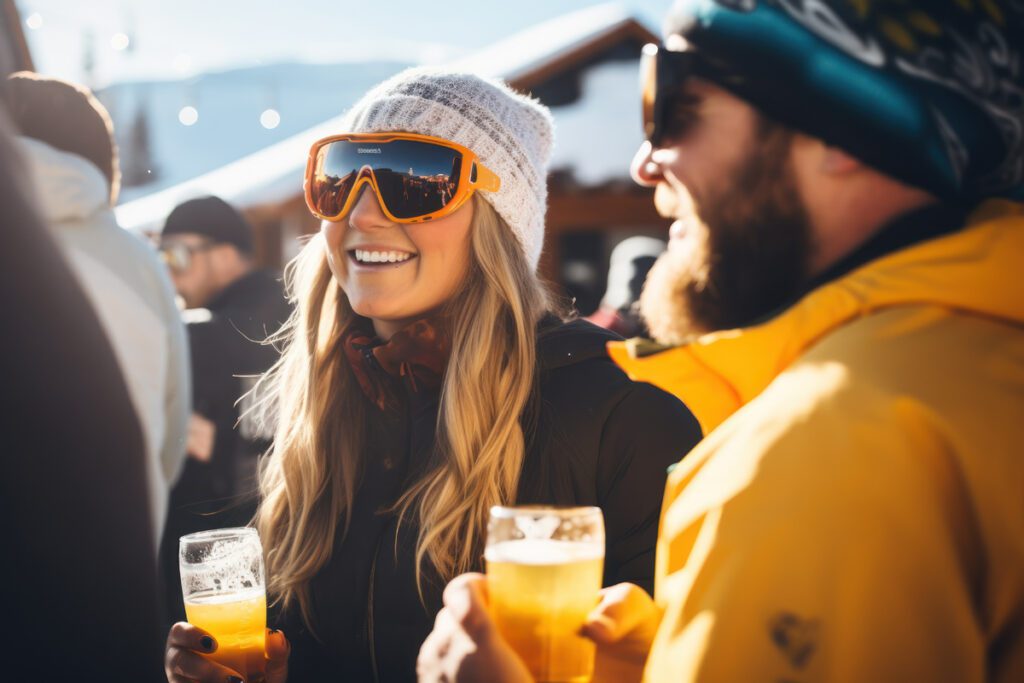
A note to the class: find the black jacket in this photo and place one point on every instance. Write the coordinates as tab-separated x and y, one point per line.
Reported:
598	439
226	353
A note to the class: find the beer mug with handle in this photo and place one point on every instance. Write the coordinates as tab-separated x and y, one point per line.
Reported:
222	582
544	567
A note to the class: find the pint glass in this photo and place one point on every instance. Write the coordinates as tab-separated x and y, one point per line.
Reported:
544	569
223	586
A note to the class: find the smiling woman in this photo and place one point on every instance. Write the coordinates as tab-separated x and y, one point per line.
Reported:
427	377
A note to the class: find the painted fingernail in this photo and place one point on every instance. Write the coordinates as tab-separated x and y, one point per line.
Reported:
206	642
234	679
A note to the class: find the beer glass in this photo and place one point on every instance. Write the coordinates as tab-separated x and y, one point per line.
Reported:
223	586
544	567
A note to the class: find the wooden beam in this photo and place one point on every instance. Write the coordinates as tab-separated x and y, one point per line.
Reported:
602	210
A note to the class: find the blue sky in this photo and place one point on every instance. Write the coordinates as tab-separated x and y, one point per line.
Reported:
178	39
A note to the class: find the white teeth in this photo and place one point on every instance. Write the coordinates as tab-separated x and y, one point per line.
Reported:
364	256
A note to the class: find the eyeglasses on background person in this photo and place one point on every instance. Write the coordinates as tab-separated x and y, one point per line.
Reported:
178	255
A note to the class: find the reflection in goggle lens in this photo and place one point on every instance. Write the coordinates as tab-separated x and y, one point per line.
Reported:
414	178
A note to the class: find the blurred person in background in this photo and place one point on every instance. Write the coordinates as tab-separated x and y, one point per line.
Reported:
426	377
631	260
232	307
75	513
843	297
67	140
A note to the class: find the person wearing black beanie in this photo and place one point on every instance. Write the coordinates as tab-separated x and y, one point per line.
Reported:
232	305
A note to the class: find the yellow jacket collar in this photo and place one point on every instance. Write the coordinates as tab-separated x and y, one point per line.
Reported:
975	270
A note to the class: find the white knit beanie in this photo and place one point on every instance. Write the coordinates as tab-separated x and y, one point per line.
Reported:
511	133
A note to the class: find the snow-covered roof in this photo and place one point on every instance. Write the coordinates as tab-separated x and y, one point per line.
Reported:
597	135
547	42
607	111
272	175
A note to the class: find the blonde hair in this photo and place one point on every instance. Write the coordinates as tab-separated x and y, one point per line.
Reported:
308	480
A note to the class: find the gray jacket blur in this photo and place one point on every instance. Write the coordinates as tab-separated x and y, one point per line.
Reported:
132	295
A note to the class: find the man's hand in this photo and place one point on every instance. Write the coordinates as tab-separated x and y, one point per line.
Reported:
465	646
201	433
623	625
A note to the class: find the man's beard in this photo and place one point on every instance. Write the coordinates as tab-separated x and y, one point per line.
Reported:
748	256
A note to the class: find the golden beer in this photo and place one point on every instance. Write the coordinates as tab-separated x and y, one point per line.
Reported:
223	588
238	622
541	591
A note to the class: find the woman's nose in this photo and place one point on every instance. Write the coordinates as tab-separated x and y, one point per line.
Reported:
643	169
366	214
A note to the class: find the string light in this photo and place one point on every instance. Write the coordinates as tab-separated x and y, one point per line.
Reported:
270	119
188	116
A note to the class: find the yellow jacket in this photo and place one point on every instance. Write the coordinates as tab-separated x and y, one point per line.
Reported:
856	512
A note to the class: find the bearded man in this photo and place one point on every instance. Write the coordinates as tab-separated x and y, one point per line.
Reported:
840	307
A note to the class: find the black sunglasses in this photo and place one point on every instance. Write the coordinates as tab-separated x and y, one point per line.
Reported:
663	73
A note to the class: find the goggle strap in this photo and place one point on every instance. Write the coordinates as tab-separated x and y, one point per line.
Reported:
486	179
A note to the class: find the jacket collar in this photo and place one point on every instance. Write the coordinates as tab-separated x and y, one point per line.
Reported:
416	356
973	271
69	187
565	343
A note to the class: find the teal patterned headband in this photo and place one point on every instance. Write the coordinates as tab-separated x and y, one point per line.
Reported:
931	93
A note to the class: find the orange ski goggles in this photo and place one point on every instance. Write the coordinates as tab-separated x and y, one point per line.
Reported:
416	177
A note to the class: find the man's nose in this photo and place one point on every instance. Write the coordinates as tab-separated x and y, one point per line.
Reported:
366	214
643	169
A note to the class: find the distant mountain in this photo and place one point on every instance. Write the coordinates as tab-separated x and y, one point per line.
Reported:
154	143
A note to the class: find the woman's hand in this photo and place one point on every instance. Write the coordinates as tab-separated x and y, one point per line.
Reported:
623	625
465	646
183	663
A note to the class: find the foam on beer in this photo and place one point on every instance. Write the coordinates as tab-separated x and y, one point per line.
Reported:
226	569
225	598
543	551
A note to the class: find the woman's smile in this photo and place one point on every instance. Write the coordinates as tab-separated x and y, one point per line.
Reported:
376	258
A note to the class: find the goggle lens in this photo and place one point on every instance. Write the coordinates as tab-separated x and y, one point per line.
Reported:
414	178
663	74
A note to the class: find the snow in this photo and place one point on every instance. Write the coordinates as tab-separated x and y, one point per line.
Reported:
546	42
229	105
271	175
189	161
597	136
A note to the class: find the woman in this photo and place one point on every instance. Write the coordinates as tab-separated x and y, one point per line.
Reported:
426	378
